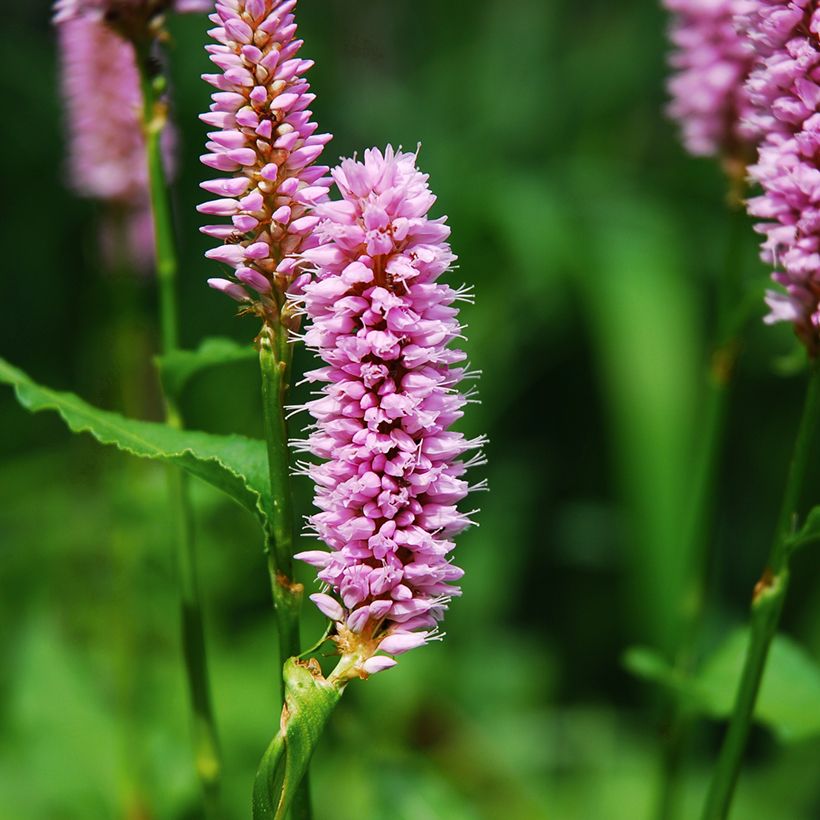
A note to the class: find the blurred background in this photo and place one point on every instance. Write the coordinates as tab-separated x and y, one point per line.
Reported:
594	244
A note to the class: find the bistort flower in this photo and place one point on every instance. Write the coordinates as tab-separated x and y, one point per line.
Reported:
711	60
127	9
392	471
101	88
267	145
785	94
106	148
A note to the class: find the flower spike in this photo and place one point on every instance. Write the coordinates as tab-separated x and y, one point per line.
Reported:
711	60
784	89
266	146
391	475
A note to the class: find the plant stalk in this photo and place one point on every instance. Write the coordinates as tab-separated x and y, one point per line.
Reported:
275	358
767	605
697	538
205	738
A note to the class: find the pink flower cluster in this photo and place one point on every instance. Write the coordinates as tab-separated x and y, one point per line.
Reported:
99	9
785	92
267	145
712	61
106	145
101	88
391	475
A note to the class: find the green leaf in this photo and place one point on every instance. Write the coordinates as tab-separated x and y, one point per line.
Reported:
808	533
309	701
649	364
649	665
789	700
234	464
176	369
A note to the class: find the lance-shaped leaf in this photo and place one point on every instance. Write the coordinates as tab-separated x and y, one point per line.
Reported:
789	701
234	464
309	702
178	367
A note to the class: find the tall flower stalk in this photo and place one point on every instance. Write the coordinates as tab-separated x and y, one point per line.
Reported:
206	743
767	605
711	61
390	473
132	132
266	142
785	94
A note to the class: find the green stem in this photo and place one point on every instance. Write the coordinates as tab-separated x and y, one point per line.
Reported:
205	740
275	356
279	538
767	605
703	501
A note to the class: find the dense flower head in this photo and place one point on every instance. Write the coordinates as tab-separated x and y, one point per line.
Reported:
711	60
107	160
102	93
785	92
266	144
391	474
128	9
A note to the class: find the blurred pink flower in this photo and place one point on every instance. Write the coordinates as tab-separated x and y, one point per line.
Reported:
785	95
106	149
711	61
98	9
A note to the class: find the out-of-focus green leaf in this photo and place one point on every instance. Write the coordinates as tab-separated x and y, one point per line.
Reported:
789	700
640	308
309	702
234	464
808	533
648	664
177	368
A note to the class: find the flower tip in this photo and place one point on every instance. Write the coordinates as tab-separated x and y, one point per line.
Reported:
316	558
229	288
378	663
328	606
400	642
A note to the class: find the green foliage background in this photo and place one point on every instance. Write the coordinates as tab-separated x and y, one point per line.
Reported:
594	243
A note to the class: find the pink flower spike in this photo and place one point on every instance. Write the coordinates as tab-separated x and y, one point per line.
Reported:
100	85
711	61
389	479
65	10
266	140
784	92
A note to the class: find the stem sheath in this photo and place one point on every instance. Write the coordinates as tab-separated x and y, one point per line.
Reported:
205	741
